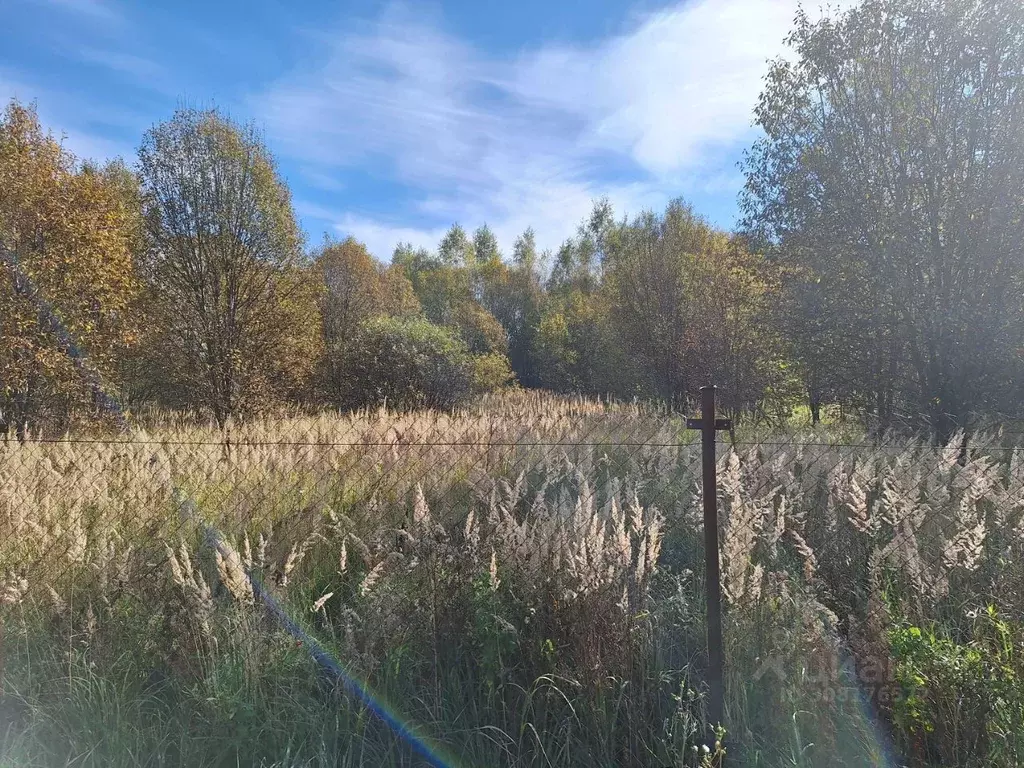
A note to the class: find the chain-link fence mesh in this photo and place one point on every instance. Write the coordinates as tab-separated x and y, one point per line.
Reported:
485	560
893	569
525	577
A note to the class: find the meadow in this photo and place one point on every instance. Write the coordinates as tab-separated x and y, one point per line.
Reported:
518	583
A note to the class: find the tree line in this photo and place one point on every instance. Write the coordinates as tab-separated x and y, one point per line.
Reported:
878	264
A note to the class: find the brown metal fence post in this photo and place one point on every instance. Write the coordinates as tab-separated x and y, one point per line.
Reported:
709	425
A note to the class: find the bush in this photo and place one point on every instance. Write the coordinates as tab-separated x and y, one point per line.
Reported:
491	372
411	363
958	694
480	329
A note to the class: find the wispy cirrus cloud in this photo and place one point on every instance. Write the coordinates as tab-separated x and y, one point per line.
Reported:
128	64
393	129
682	82
529	140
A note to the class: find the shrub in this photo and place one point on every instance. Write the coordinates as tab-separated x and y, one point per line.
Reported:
958	696
480	329
411	363
491	372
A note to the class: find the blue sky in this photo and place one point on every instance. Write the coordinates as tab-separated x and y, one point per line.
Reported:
392	120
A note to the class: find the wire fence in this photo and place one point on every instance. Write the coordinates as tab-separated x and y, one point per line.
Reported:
452	561
368	537
908	558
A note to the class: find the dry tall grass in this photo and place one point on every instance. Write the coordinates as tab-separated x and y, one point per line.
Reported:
533	545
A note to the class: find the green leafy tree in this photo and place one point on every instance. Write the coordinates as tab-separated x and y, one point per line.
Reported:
450	290
513	294
889	184
398	298
691	306
456	249
521	311
410	363
576	349
485	246
479	329
441	290
580	260
354	287
412	260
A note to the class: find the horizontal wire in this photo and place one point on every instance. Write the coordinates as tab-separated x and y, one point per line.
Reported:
871	446
326	444
472	444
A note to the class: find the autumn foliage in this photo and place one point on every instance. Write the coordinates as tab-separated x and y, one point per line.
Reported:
67	236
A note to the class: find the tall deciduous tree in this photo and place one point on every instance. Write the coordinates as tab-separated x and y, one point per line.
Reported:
691	306
485	246
890	181
225	257
398	297
351	291
523	307
575	347
352	288
513	294
456	249
66	238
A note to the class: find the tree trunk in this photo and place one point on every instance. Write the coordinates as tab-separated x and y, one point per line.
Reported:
815	409
21	430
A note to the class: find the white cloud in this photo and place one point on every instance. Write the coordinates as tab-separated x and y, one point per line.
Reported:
528	140
130	65
382	237
684	80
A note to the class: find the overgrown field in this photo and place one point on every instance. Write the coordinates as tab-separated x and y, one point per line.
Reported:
521	584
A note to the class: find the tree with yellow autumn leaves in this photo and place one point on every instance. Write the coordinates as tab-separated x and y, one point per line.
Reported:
235	309
66	235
